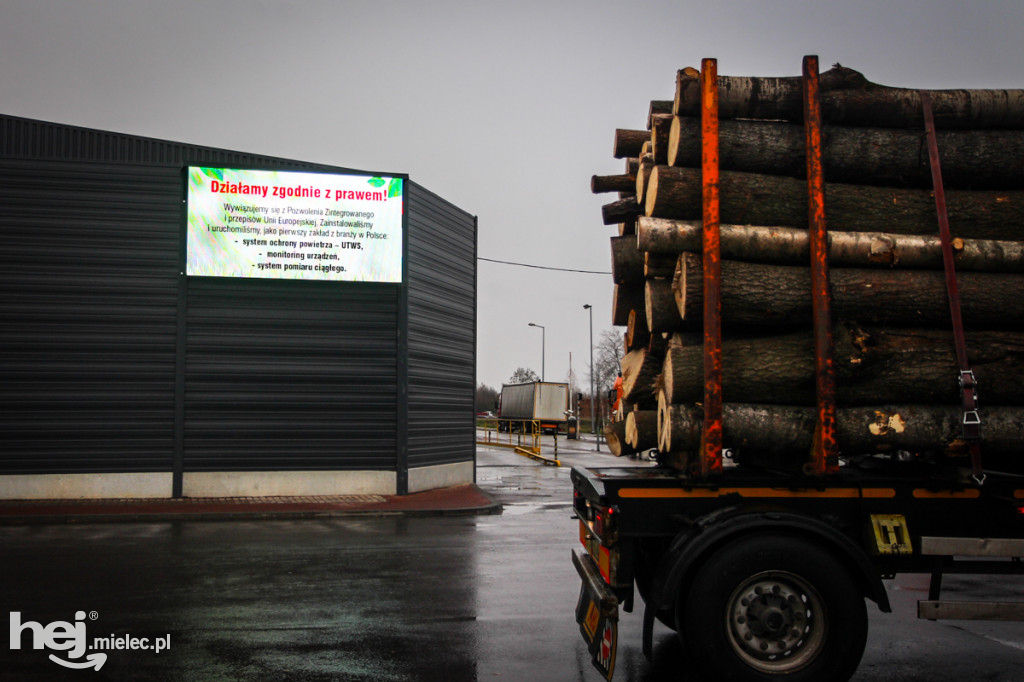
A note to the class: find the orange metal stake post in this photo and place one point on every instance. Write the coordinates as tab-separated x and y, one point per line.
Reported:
825	450
711	439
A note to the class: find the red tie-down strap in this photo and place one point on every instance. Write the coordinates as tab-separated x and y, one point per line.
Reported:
968	385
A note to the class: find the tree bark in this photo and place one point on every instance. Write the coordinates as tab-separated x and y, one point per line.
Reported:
677	429
632	164
661	129
789	246
660	307
659	265
627	261
626	297
615	437
750	199
599	184
847	97
971	159
777	435
642	429
632	266
872	365
620	211
658	106
682	351
628	143
640	369
643	174
761	297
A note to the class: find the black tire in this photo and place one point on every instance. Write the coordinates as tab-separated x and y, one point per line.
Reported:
737	620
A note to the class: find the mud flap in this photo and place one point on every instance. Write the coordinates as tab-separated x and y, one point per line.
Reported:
597	612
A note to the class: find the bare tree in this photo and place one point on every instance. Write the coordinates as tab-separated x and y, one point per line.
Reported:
607	363
486	398
523	375
607	360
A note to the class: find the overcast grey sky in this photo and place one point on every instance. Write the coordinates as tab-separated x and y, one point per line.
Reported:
504	108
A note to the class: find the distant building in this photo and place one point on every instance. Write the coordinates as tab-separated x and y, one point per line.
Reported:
123	375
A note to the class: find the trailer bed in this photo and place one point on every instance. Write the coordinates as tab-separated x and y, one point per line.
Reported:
652	500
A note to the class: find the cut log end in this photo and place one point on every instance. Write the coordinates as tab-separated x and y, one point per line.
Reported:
615	438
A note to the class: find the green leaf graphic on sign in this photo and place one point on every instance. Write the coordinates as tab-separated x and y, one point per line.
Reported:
376	182
215	173
395	188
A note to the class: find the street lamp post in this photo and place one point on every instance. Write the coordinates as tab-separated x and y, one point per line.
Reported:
543	334
593	421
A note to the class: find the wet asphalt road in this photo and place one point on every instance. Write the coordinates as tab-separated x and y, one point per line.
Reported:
377	599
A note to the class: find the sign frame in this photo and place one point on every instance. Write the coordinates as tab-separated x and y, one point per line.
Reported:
294	224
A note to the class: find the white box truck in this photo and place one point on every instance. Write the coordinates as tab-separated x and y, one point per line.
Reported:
542	401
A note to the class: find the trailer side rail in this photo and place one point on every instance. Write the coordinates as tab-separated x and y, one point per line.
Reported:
946	551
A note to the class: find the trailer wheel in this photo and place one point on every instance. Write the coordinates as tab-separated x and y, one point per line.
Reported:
773	608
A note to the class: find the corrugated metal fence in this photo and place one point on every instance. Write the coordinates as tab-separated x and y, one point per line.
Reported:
113	361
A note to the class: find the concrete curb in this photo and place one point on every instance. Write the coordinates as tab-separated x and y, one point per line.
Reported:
466	500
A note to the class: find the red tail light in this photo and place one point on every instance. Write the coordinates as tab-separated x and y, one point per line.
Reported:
604	522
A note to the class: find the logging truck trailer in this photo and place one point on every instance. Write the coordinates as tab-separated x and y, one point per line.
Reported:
543	402
766	577
762	552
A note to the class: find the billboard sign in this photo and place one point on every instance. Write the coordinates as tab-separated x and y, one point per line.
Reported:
294	225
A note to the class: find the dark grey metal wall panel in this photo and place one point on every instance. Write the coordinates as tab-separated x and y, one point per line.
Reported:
275	374
290	375
27	138
89	273
442	330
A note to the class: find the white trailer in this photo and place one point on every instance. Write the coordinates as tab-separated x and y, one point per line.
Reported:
542	401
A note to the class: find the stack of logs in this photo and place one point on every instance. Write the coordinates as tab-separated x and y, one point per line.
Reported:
897	376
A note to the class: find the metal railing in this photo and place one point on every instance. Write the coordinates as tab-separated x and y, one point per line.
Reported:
526	431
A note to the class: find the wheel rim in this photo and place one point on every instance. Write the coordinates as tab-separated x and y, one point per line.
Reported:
776	622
